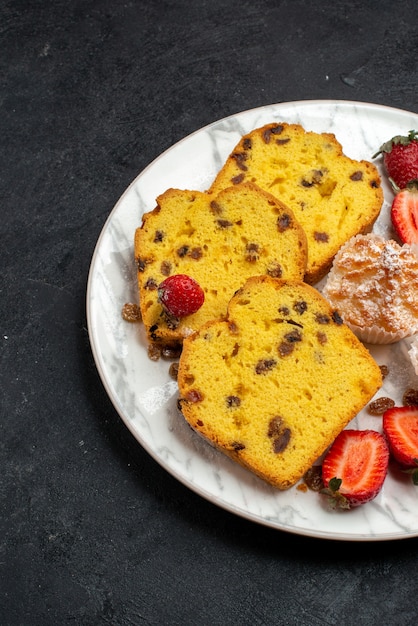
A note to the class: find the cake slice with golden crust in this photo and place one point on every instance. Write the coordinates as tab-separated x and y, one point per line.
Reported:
332	196
220	240
274	383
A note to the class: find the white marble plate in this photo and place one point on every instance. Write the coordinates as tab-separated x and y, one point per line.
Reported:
142	391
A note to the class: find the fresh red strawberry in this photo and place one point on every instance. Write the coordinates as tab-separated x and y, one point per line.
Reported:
355	467
400	157
404	213
400	425
180	295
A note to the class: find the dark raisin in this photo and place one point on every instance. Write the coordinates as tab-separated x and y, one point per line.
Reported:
171	352
151	284
236	180
281	142
322	318
131	312
171	321
279	432
284	222
247	144
313	478
285	348
336	317
252	252
182	251
314	179
384	370
237	446
194	396
154	352
196	253
380	405
284	310
410	397
239	158
235	350
266	135
141	263
300	307
173	370
293	336
374	184
276	425
281	442
356	176
224	223
165	268
322	338
277	130
275	270
322	237
264	365
232	401
215	208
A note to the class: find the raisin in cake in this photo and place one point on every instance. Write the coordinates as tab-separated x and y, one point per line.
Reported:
273	384
220	241
332	196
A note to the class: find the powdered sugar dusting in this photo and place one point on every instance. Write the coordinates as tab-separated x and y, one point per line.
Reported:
374	282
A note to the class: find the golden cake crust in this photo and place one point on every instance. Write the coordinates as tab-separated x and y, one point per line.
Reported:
220	241
332	196
273	384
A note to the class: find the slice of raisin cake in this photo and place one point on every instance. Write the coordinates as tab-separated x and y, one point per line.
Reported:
220	241
332	196
272	385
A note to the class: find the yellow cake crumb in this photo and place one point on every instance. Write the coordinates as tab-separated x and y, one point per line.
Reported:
220	240
332	196
274	383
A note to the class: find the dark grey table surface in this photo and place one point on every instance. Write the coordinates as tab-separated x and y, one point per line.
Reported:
92	529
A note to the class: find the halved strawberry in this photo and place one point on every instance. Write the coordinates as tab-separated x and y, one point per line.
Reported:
355	468
400	425
404	214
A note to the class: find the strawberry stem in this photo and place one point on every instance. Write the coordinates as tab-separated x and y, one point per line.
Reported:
335	484
335	498
403	140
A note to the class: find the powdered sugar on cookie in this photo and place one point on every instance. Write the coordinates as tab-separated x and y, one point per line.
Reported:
374	285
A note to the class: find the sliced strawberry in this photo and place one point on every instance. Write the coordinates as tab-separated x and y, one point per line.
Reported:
355	467
400	425
180	295
404	214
